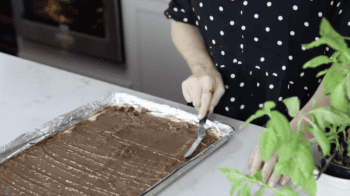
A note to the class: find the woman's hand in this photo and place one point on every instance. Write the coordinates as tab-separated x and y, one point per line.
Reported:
267	169
204	88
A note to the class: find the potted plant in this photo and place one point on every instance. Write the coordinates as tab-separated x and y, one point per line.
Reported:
328	128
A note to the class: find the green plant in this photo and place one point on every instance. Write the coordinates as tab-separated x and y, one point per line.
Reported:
295	155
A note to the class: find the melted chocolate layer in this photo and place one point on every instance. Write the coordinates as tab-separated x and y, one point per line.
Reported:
123	151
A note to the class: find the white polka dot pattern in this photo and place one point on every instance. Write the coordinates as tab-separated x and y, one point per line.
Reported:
257	47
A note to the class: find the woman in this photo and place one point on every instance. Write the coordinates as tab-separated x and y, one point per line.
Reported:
250	53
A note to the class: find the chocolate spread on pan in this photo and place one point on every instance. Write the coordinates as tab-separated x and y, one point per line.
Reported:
124	151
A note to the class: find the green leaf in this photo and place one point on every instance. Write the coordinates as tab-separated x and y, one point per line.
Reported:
268	144
257	114
308	128
286	191
321	73
233	189
299	135
244	190
281	124
296	176
314	44
317	61
269	124
282	167
237	176
232	174
235	186
305	160
332	80
339	98
256	177
342	59
334	39
335	55
322	140
287	151
309	185
306	143
327	114
268	105
293	105
278	133
260	192
326	28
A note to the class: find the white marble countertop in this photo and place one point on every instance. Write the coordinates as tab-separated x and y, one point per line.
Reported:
32	94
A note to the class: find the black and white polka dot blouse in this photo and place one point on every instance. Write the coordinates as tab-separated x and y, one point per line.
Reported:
256	46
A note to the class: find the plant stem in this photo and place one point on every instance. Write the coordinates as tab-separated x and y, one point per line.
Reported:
330	134
308	120
332	137
325	167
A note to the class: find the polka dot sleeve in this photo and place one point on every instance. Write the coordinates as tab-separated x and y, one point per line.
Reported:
340	20
181	11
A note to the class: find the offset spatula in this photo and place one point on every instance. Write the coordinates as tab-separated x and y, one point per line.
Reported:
201	134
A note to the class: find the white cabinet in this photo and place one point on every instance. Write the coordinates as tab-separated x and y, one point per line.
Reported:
157	68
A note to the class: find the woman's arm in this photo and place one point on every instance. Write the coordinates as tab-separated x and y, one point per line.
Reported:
326	101
191	46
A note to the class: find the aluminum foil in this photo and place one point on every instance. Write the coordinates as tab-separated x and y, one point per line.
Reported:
23	142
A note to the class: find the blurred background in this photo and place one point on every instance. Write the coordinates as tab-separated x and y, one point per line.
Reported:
123	42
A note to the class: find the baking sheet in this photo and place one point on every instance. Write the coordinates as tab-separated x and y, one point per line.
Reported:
23	142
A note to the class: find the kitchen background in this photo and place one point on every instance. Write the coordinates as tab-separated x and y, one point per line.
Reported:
122	42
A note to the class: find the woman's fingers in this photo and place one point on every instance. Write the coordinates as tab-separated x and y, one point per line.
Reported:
196	90
257	162
250	163
205	104
268	167
252	156
274	179
196	94
219	90
186	92
285	180
207	87
218	93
